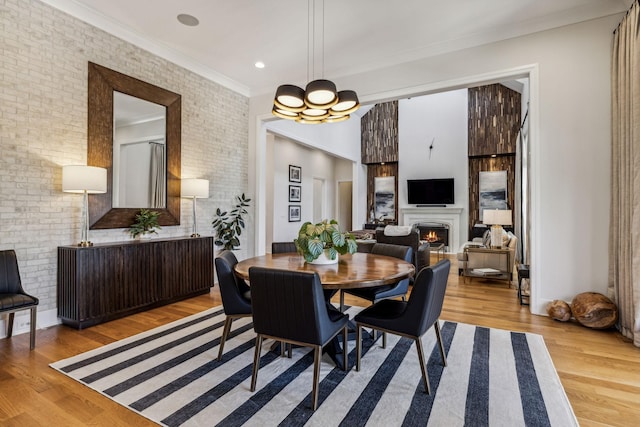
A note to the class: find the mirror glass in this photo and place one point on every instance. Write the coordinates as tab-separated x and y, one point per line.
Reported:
139	177
134	131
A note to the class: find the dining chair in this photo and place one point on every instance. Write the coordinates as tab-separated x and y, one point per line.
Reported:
235	294
289	306
13	297
378	293
411	319
283	247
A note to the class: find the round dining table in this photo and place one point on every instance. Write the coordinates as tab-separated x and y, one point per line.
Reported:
359	270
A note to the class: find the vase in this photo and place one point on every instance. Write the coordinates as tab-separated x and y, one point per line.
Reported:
144	236
324	259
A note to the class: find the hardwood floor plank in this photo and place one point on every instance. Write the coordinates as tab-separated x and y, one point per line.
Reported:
600	370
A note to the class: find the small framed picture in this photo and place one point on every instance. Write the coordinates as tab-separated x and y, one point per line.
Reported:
295	193
294	213
295	173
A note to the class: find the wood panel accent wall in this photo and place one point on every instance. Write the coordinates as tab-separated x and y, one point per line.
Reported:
379	134
478	164
112	280
388	169
494	120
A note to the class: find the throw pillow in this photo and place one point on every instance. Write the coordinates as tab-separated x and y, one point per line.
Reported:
486	239
397	230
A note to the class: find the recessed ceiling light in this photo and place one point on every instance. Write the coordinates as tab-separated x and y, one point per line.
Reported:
259	64
188	20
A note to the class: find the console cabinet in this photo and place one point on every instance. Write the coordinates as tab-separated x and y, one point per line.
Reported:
112	280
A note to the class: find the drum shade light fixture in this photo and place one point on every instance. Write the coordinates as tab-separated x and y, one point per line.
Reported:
320	101
84	180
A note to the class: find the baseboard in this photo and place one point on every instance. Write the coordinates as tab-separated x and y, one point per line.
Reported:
22	321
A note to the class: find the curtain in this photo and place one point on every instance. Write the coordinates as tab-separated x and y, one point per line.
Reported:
624	236
158	176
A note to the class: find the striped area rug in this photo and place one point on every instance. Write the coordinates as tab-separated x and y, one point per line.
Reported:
170	375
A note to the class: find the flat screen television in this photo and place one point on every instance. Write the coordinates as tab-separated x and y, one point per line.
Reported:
430	191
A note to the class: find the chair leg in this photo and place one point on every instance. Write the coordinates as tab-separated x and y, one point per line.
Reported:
358	345
423	367
32	337
256	362
10	325
290	352
225	333
384	339
345	349
341	301
436	326
316	375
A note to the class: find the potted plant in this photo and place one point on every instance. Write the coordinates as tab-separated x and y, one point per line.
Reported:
322	242
228	225
146	224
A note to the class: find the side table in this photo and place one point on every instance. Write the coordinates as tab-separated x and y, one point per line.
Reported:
438	248
523	273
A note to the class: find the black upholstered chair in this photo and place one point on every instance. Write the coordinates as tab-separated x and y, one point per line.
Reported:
289	306
378	293
12	297
283	247
410	319
421	251
235	293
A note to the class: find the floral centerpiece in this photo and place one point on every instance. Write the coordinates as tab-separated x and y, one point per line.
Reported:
322	242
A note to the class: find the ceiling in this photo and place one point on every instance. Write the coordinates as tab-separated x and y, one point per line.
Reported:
359	35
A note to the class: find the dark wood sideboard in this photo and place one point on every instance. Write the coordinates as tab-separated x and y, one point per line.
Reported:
112	280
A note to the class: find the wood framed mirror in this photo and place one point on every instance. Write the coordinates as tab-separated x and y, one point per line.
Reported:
103	82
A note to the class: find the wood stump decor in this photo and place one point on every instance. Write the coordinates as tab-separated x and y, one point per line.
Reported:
559	310
594	310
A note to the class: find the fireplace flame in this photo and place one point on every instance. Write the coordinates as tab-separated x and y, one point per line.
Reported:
430	237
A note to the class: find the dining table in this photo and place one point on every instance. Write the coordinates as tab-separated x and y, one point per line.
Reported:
358	270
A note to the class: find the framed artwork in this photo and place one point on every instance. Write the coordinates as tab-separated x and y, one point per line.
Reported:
294	213
492	190
295	173
384	188
295	193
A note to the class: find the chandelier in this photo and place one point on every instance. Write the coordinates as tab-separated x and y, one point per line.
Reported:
319	102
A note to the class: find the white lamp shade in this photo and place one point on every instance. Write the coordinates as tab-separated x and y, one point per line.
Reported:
497	217
193	187
80	178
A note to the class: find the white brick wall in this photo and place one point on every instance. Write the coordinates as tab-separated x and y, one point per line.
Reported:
43	126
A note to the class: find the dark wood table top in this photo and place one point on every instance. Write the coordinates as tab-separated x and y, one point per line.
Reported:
360	270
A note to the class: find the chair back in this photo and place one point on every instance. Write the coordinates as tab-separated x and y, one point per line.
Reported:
289	305
283	247
412	240
9	274
426	299
232	288
396	251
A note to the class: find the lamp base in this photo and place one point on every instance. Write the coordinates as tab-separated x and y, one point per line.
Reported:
496	236
85	244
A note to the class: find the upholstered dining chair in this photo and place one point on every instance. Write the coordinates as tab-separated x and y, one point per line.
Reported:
235	294
289	306
378	293
283	247
412	318
12	297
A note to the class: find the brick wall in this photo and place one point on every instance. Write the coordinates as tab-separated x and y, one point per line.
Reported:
43	126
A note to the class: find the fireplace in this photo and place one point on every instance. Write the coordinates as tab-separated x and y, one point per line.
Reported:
434	232
449	217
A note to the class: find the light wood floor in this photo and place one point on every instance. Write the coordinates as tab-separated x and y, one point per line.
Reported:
600	370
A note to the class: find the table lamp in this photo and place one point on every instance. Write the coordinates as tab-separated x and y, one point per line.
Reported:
195	189
496	218
84	180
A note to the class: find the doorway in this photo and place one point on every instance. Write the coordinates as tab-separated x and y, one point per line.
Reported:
344	208
318	200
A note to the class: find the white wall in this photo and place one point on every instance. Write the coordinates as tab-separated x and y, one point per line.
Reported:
441	118
314	164
570	138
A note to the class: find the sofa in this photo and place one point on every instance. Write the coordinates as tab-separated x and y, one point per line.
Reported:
421	251
488	260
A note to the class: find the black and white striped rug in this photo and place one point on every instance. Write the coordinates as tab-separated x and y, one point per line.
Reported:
170	375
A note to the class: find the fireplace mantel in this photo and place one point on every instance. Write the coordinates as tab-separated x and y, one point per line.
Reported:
449	215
